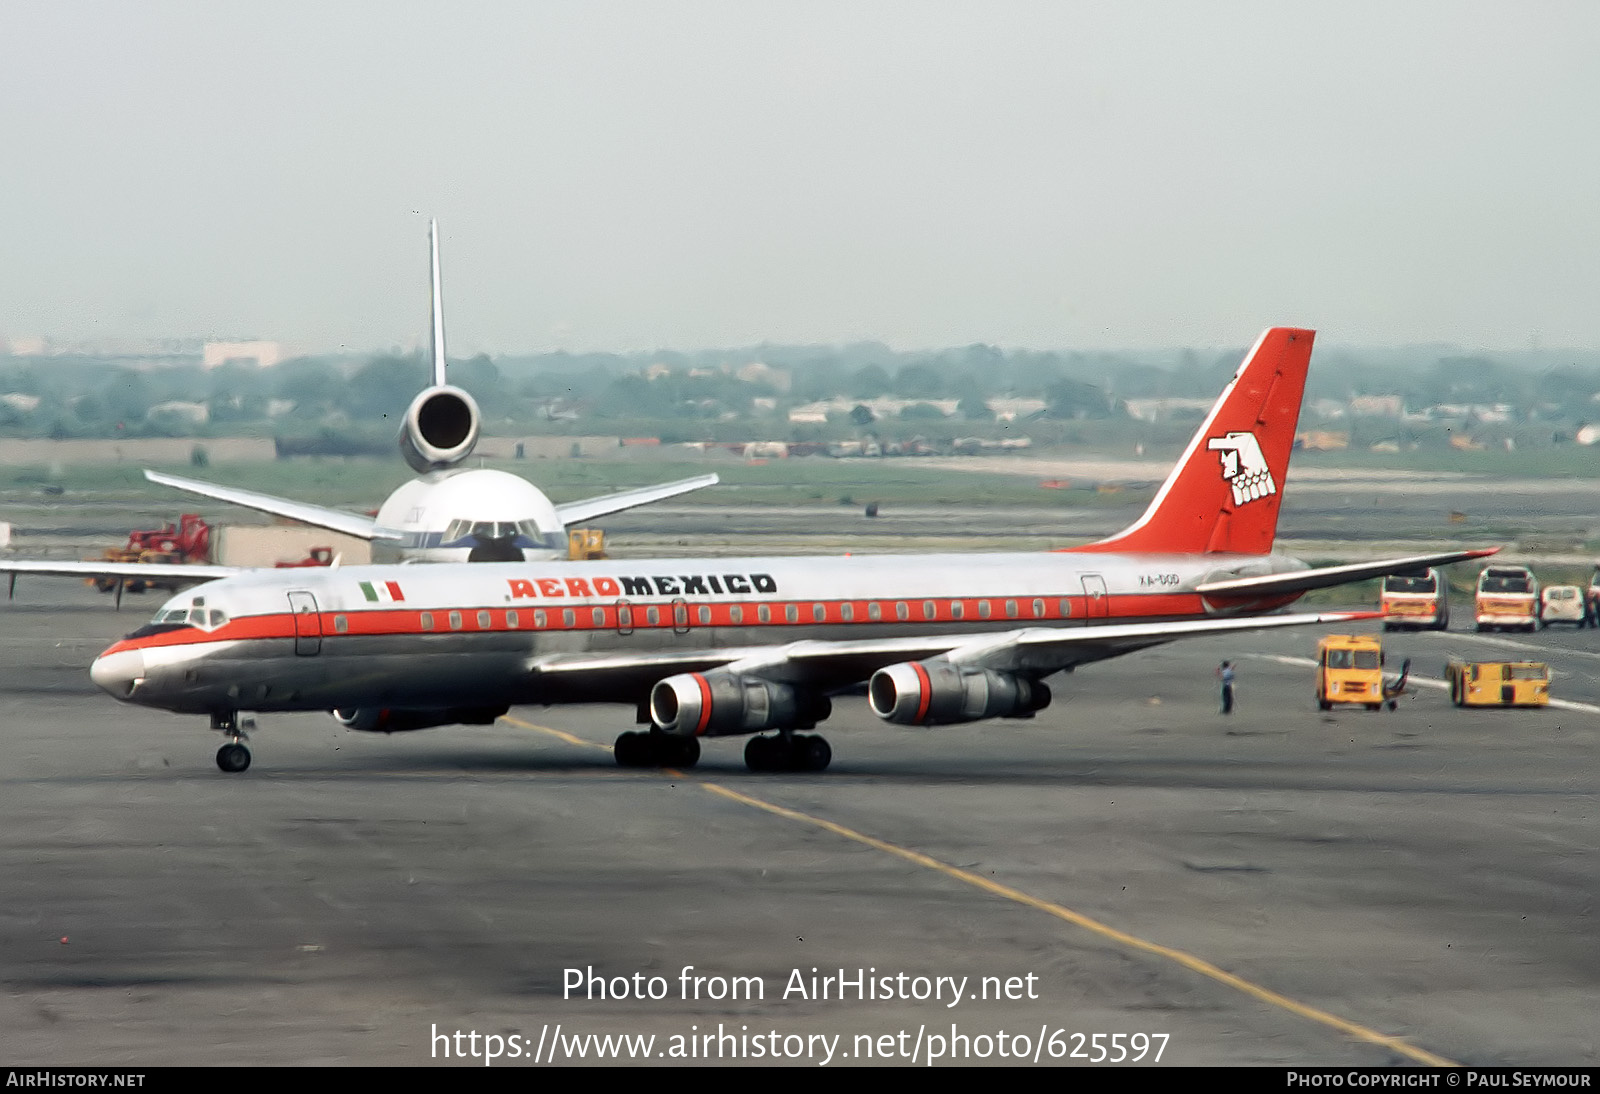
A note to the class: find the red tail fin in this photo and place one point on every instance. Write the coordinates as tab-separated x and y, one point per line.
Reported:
1223	495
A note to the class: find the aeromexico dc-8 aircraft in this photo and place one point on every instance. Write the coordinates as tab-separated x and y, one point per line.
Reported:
447	514
723	646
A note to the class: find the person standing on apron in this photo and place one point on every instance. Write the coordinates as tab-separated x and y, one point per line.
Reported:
1225	674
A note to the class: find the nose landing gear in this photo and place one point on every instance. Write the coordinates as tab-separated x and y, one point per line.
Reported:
232	757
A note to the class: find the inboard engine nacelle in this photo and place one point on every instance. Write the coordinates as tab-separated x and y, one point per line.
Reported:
440	428
401	719
719	704
923	693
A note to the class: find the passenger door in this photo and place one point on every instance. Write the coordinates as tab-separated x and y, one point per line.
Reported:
307	624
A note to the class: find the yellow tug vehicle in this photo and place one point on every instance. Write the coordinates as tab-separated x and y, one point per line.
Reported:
1498	683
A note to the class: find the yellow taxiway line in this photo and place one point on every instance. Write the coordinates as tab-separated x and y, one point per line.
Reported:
1077	919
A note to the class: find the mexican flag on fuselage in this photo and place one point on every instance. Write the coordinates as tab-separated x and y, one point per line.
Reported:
382	592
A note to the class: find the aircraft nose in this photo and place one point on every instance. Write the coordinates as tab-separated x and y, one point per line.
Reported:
118	673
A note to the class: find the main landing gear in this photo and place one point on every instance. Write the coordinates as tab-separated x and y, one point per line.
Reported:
656	749
788	752
232	757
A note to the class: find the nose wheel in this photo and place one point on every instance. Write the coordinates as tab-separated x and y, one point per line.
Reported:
232	757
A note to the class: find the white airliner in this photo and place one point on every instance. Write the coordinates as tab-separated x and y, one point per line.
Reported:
448	514
723	646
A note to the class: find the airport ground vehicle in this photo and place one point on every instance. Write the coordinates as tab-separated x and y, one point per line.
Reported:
1562	604
1507	599
1350	670
1591	599
187	542
1498	683
1415	601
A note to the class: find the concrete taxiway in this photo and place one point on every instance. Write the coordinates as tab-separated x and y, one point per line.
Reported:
1277	886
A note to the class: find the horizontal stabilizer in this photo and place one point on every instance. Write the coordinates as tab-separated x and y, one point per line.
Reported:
1301	581
335	520
576	512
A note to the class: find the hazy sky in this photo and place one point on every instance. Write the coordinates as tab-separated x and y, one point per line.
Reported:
644	175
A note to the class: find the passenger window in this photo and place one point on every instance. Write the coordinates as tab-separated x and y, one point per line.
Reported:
569	618
874	610
736	614
764	614
847	612
705	615
983	609
427	621
1038	609
791	612
484	622
1011	609
540	620
818	613
455	621
929	610
956	609
512	620
902	610
1066	608
653	616
598	616
340	624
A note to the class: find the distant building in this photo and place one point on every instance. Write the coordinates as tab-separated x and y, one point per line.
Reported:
1377	406
759	372
260	354
17	401
190	413
1159	410
1322	440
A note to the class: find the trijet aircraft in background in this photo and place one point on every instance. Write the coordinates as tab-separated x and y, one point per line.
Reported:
725	646
449	513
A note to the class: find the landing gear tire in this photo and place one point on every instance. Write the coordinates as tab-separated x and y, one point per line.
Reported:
799	752
635	749
233	758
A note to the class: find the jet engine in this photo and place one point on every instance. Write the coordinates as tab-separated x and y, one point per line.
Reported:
440	428
720	704
923	693
401	719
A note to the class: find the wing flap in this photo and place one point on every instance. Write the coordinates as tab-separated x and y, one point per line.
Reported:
836	665
1300	581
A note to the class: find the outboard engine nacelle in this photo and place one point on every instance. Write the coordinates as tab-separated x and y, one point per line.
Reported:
925	693
719	704
402	719
440	428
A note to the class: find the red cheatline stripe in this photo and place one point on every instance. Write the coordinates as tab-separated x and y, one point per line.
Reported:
705	703
927	691
388	620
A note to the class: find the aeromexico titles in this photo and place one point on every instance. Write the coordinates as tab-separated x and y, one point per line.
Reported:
449	513
715	647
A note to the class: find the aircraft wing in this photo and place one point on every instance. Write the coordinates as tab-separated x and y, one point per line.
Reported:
837	665
576	512
337	520
1301	581
197	572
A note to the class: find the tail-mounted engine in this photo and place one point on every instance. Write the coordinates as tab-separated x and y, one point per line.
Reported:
399	720
925	693
721	704
440	428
